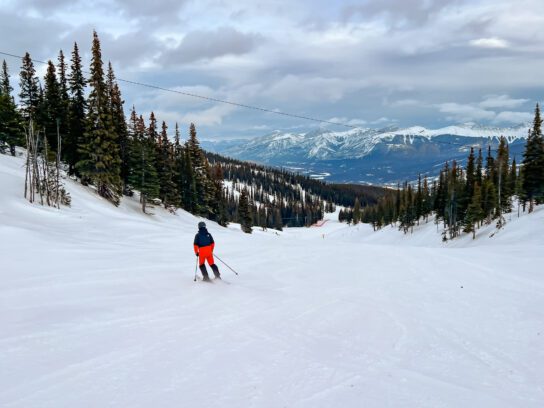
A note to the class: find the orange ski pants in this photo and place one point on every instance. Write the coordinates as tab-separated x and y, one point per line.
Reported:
205	254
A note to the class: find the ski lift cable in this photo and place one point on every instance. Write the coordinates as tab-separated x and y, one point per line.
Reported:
208	98
241	105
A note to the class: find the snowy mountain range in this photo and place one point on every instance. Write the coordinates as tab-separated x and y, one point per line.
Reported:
366	155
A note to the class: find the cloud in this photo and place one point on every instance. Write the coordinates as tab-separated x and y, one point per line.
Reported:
156	9
501	101
212	116
513	117
205	45
492	42
483	111
465	113
399	12
419	61
405	102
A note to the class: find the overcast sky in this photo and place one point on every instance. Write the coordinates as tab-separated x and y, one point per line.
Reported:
370	63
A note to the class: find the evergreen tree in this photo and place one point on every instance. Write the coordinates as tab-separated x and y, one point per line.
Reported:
168	192
11	131
64	99
479	168
533	164
5	87
475	212
513	178
489	199
115	103
100	163
356	211
76	113
502	163
142	173
220	199
188	184
244	212
52	106
29	91
199	172
470	174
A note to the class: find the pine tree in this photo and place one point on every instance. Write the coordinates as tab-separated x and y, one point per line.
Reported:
76	113
475	213
100	163
502	163
188	184
478	178
29	91
64	99
52	106
220	199
489	200
356	211
11	131
142	173
470	174
533	164
199	172
244	212
115	103
5	87
513	178
166	170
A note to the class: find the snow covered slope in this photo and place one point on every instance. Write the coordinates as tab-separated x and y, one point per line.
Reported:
98	308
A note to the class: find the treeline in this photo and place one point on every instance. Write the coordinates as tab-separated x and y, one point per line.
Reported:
81	121
276	198
283	196
462	199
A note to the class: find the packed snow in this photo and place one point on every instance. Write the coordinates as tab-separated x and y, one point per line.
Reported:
98	308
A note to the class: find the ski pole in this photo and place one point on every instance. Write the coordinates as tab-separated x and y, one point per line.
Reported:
196	266
223	262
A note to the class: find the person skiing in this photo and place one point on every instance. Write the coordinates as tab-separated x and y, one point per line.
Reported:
203	247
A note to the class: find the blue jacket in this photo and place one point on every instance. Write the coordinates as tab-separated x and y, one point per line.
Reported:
203	238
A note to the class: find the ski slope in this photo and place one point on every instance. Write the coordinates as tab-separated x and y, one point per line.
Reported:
98	308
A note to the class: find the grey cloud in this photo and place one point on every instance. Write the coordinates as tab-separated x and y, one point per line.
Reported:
18	34
207	45
399	12
155	10
502	101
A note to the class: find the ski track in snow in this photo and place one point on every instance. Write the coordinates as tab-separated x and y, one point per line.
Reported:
98	308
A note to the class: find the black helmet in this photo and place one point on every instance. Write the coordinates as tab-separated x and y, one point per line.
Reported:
201	224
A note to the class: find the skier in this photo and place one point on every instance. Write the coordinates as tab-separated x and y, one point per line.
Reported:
203	246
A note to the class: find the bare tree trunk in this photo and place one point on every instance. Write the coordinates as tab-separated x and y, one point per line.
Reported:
57	186
27	165
45	167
